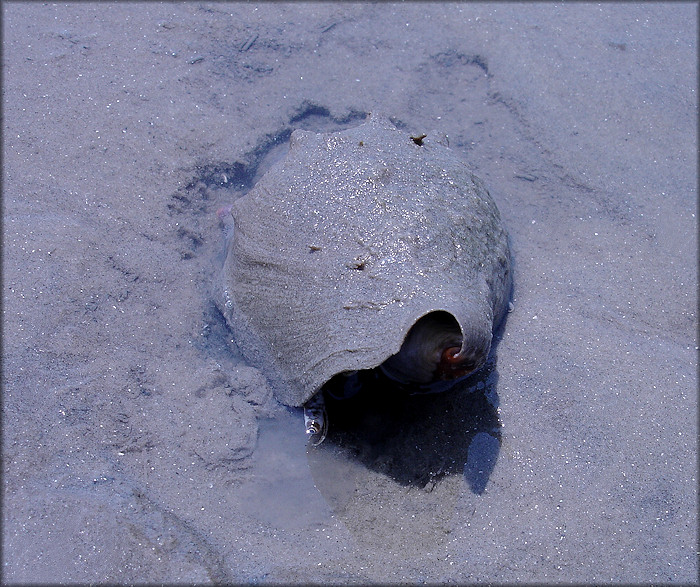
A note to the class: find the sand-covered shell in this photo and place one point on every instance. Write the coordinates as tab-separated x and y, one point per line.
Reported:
351	240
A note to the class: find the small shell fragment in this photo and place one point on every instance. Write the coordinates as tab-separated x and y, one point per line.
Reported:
315	419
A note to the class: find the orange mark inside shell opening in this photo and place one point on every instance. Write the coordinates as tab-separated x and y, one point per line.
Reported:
452	365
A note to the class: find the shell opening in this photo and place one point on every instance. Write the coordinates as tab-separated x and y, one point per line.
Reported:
435	338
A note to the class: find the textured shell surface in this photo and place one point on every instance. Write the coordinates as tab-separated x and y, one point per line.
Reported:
344	245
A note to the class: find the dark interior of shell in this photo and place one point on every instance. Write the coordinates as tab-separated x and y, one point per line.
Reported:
434	351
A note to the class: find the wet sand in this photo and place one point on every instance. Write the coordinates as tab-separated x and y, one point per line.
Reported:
137	444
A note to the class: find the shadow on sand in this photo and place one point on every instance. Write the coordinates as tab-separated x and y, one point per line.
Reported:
418	439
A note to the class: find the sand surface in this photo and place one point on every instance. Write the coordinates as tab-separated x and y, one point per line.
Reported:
137	444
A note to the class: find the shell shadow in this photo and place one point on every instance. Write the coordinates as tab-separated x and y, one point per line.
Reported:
418	439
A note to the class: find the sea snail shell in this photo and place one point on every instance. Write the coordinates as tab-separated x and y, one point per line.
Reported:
365	248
